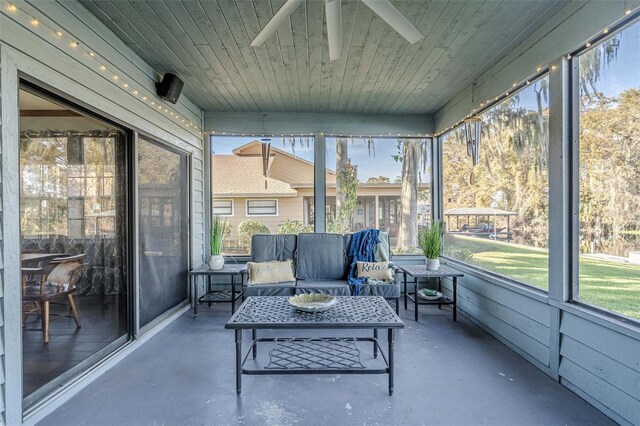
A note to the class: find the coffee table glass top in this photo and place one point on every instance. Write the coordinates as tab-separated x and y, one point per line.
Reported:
349	312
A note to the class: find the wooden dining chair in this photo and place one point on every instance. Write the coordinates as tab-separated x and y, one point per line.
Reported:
56	286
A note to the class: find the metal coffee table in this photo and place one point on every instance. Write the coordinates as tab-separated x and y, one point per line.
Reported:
314	355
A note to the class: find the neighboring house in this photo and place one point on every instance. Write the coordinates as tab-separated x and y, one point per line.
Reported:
241	192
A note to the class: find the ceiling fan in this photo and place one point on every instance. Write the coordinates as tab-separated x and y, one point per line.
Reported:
383	8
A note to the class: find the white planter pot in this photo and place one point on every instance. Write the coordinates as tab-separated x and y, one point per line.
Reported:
433	264
216	262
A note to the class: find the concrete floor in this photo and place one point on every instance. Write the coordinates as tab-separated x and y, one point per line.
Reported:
446	373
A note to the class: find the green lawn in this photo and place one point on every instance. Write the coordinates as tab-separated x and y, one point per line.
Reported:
609	285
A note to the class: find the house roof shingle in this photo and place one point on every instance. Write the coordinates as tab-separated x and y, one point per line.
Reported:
234	175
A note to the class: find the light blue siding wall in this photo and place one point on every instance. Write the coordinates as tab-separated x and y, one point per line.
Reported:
601	365
36	53
519	318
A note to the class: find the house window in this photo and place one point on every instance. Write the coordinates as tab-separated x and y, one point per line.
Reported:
496	213
382	183
608	175
262	207
222	207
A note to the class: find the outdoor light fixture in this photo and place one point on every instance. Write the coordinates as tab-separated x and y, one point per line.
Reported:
473	134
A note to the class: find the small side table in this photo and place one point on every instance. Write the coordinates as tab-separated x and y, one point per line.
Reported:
420	271
216	296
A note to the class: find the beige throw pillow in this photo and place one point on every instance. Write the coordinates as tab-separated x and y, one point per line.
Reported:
270	272
377	270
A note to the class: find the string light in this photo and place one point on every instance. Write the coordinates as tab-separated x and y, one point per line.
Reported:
103	66
312	134
74	44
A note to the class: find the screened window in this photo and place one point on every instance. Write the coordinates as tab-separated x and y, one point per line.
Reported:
496	213
609	175
382	183
261	186
223	207
262	207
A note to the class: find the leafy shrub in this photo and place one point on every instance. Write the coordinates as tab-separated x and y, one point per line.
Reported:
248	228
294	227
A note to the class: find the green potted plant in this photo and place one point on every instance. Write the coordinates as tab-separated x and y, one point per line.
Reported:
430	242
219	229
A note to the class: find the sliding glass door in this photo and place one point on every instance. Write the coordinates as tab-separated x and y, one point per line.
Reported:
73	228
163	203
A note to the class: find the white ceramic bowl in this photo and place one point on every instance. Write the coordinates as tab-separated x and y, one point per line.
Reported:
423	296
313	302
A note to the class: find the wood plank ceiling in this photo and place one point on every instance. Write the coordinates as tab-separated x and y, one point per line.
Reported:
206	43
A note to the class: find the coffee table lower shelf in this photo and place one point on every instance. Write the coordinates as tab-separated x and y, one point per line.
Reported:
314	355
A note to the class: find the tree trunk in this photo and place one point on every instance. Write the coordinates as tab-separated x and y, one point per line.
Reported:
408	236
342	158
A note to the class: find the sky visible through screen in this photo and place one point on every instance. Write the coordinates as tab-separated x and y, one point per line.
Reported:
624	71
378	162
617	76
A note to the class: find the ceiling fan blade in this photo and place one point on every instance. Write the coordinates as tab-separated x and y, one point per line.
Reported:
285	11
333	11
385	10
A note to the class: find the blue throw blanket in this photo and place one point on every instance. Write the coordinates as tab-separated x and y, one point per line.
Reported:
361	249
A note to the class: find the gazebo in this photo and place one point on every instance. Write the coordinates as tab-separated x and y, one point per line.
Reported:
481	227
